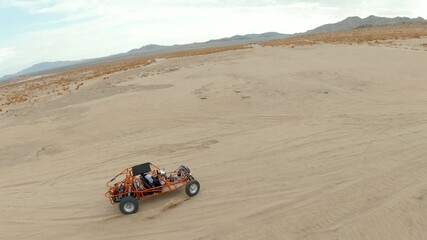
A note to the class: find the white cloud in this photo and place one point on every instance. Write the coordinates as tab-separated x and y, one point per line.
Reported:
6	53
420	9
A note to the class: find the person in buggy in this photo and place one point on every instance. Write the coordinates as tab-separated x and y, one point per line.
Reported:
142	181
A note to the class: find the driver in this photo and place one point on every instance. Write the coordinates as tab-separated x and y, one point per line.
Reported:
152	180
149	178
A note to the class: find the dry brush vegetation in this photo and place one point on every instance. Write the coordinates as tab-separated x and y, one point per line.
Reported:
71	80
62	82
360	35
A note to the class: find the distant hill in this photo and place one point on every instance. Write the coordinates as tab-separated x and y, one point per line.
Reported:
40	67
237	39
153	49
357	22
249	38
148	49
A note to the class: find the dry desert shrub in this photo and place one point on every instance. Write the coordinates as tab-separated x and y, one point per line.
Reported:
16	97
59	83
78	86
360	35
205	51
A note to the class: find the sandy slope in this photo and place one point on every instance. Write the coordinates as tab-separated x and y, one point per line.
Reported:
315	142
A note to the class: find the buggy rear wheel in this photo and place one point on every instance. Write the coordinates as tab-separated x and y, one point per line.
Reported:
192	188
128	205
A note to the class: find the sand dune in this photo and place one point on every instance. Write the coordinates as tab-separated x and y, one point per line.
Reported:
311	142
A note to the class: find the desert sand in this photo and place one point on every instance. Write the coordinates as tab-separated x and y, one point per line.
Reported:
320	142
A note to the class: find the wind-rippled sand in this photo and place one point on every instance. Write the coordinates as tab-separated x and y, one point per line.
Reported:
315	142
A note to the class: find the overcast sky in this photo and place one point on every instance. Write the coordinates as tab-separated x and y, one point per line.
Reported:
33	31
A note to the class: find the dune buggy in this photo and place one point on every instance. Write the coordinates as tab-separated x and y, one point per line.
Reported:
148	180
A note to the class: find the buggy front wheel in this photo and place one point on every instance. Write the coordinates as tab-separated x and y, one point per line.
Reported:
128	205
192	188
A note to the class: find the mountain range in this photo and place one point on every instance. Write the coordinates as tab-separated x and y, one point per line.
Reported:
153	49
357	22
